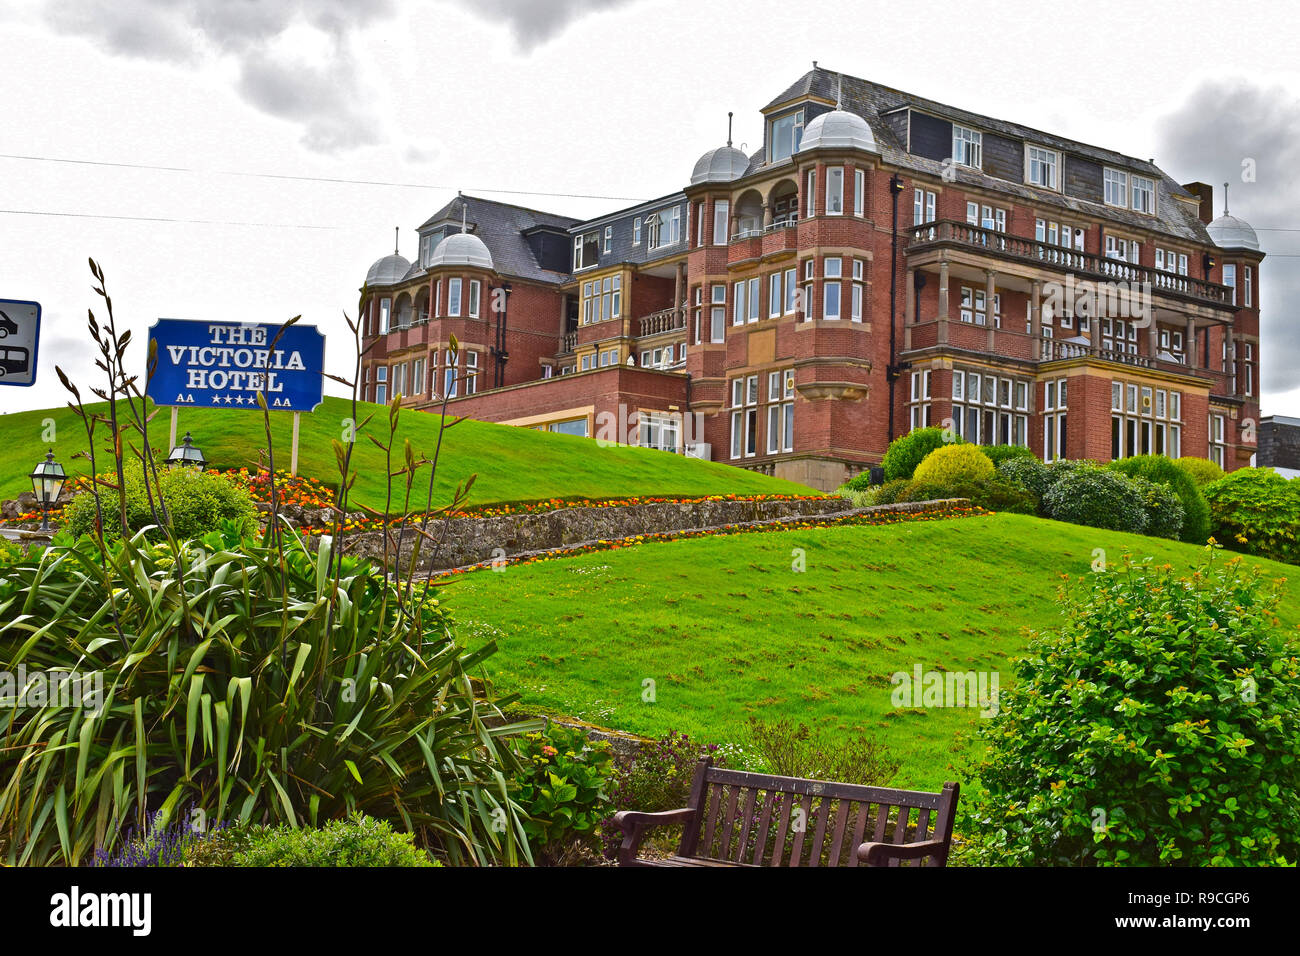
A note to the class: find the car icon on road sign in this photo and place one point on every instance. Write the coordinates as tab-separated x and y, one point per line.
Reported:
20	330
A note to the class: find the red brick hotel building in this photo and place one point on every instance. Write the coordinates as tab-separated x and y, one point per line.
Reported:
883	262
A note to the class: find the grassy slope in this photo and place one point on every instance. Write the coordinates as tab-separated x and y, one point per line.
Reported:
727	630
513	464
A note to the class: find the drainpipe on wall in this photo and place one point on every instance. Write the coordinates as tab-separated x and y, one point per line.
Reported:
892	371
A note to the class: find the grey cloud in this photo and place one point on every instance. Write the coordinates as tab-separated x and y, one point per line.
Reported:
1223	123
325	97
533	22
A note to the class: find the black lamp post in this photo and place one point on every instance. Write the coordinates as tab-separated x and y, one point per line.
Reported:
47	482
186	453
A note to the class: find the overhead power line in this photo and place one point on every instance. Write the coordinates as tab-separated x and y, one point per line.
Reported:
314	179
206	222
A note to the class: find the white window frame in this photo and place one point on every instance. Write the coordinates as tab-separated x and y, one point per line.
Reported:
1115	187
859	192
834	190
454	287
967	146
1042	166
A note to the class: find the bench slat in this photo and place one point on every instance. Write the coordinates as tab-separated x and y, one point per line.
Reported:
796	852
746	825
728	828
837	839
859	831
819	838
842	791
764	821
787	811
715	796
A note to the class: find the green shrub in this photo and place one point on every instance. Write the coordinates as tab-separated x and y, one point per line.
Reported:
892	492
992	494
1164	510
251	686
793	750
907	451
196	502
359	842
1000	453
859	482
564	784
1202	470
1165	471
954	463
1030	474
1159	725
1257	511
1097	498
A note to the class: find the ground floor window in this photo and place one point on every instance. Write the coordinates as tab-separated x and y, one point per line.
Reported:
744	416
990	409
1054	419
1145	420
780	411
1216	439
919	402
574	426
660	430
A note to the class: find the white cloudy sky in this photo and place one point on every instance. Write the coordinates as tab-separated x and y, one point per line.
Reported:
603	98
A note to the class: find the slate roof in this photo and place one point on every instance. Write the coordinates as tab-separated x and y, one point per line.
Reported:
501	226
871	100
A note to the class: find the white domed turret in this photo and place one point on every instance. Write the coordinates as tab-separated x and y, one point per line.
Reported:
388	270
840	129
461	249
721	165
1229	232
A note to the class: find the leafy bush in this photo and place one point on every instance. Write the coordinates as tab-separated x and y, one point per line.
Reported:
892	492
859	482
954	463
791	750
1164	511
1032	475
1164	471
1257	511
1202	470
907	451
658	778
359	841
564	785
1000	453
992	494
251	685
1159	725
195	503
1097	498
164	842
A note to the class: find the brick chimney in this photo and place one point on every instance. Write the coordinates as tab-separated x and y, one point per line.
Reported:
1205	193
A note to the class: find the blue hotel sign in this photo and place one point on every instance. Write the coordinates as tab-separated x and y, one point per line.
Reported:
209	364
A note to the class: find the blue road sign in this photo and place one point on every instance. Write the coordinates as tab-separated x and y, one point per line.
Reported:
210	364
20	333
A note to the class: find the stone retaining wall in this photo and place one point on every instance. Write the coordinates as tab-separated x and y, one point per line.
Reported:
477	540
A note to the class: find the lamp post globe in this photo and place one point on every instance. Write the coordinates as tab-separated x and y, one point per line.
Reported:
185	454
47	482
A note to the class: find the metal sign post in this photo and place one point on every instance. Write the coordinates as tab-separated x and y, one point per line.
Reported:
227	364
20	333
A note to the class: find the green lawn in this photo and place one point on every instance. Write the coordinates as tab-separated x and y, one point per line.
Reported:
726	629
513	464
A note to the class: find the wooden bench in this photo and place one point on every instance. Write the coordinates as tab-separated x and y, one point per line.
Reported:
751	819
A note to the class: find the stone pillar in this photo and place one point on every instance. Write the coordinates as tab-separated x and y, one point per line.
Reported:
943	301
678	276
990	290
1189	344
769	216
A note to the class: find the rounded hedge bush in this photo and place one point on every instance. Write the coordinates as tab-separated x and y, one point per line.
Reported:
1097	498
1160	725
197	502
1164	510
1257	511
1030	474
859	482
951	463
1202	470
908	451
1165	471
1000	453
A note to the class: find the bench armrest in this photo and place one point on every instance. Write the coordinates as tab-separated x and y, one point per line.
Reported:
634	825
879	854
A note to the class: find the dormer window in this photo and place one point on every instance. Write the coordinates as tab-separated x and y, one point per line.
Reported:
1041	165
784	136
586	251
967	146
664	227
1144	195
1116	187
